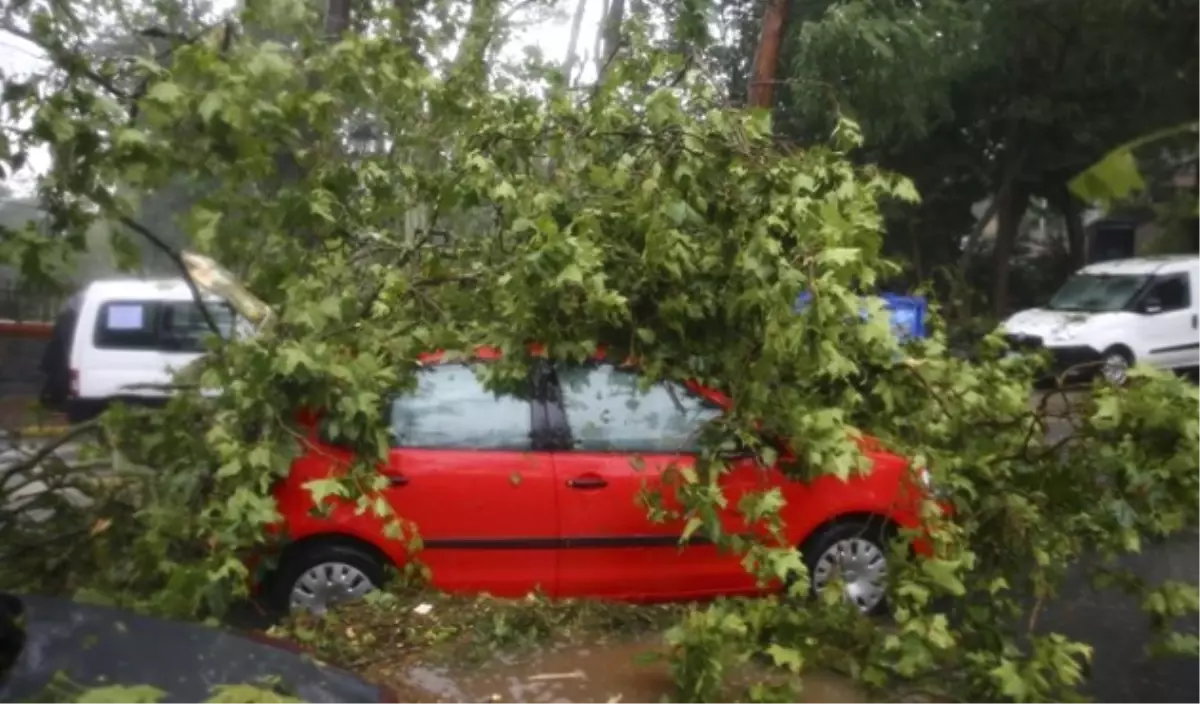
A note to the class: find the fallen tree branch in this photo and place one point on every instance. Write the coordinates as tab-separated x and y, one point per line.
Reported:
177	259
48	449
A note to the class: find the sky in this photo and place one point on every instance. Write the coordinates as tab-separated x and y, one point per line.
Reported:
19	57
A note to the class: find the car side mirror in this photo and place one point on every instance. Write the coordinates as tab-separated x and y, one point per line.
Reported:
1150	306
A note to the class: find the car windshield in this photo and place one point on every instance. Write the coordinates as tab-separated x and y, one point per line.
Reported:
1095	293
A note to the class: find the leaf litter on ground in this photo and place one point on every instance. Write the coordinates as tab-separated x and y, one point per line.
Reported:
382	635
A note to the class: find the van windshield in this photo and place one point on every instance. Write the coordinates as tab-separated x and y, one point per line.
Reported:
1097	293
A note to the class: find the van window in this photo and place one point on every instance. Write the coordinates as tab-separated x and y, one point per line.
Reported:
166	326
182	327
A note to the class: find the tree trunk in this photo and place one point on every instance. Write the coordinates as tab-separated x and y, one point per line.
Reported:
766	57
1068	205
573	43
1006	181
471	60
1013	201
410	15
598	42
610	30
337	18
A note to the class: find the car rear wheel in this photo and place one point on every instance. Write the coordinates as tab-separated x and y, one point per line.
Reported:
315	577
854	552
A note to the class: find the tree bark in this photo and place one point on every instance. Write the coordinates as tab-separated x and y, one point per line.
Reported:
410	14
611	33
1072	214
573	44
766	57
1013	201
337	18
471	60
1006	181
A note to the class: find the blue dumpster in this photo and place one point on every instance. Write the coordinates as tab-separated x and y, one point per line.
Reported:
908	313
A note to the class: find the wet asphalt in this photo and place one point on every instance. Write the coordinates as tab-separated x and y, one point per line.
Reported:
1116	627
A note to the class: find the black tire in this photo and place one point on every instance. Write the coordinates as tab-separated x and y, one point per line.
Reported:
1116	351
876	531
302	557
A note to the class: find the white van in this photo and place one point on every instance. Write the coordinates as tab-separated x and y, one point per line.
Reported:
128	333
1112	314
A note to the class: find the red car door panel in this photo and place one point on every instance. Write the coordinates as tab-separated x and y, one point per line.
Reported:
613	549
487	519
464	471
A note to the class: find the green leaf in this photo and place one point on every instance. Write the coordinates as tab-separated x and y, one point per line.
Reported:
693	524
1009	681
136	694
322	489
130	136
789	658
943	574
212	102
839	256
906	191
164	92
676	212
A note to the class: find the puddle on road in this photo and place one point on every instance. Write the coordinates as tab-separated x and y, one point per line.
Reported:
607	673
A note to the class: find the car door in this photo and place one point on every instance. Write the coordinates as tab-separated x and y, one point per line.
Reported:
1167	326
616	441
465	469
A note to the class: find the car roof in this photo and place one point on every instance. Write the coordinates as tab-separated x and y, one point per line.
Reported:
1165	264
142	289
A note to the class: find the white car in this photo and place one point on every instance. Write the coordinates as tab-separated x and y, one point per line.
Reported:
119	338
125	339
1113	314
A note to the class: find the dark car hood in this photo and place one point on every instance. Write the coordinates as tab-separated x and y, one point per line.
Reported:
100	646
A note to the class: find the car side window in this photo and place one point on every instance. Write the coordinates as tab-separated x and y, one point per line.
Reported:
608	412
452	409
1171	293
127	325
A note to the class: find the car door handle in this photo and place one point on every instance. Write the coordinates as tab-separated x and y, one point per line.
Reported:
397	480
587	481
1195	320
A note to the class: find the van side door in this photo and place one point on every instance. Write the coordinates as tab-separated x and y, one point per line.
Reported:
1168	326
117	347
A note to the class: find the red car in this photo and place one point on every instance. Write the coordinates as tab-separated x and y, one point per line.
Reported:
538	491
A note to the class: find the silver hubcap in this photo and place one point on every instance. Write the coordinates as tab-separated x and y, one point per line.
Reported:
1115	369
327	584
862	568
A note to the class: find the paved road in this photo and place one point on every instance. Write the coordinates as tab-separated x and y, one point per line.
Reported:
1115	625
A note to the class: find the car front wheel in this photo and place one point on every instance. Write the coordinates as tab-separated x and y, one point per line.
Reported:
316	577
854	553
1115	367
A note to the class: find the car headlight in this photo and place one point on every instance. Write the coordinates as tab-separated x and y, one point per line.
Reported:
927	484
